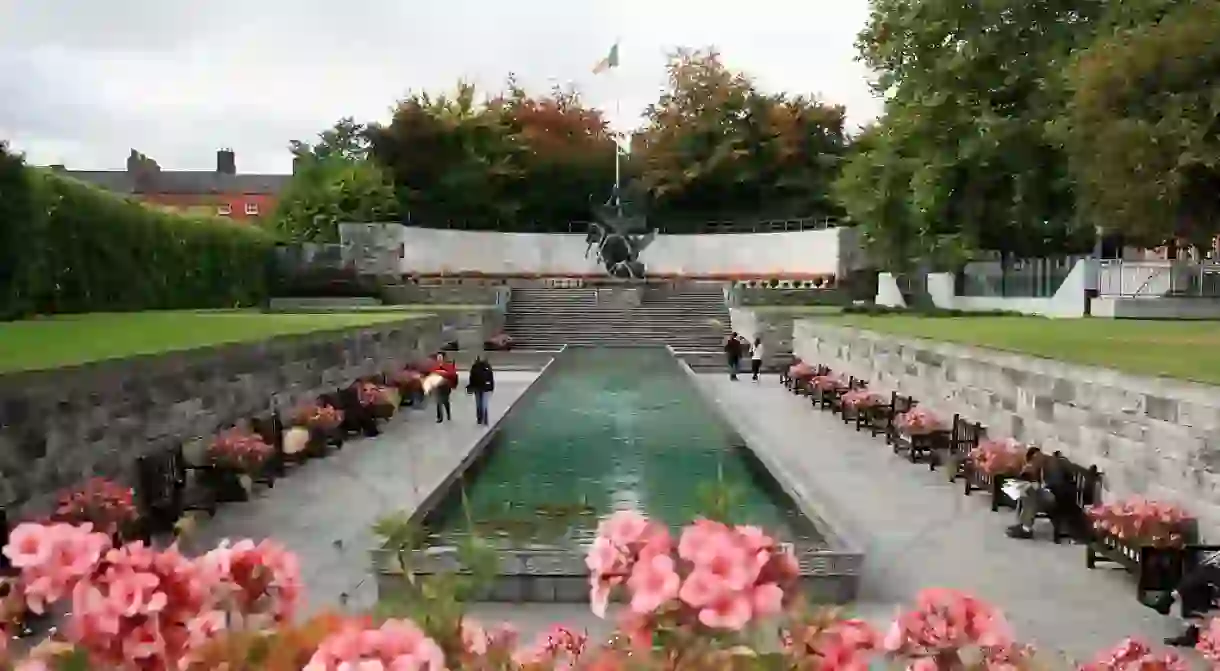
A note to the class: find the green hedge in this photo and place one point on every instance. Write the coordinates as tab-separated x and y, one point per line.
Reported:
66	246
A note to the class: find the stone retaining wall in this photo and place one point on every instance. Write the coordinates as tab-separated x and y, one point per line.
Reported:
444	294
470	328
60	426
1150	436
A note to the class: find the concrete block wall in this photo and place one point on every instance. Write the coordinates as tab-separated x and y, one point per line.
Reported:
1150	436
445	294
61	426
470	328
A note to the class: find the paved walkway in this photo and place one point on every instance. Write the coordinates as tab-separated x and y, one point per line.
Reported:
919	531
324	509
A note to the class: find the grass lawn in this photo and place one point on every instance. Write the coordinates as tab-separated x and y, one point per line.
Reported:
1180	349
51	342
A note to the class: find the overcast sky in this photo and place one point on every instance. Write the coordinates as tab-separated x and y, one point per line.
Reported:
84	81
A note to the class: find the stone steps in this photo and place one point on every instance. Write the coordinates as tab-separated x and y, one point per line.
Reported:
689	320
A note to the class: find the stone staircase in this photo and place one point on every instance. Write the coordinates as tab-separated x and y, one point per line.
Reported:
693	318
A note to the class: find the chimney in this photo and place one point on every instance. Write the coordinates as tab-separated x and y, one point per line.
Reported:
297	163
134	161
226	162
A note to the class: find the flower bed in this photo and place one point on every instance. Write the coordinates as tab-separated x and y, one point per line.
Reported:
108	506
1142	522
920	433
990	465
717	597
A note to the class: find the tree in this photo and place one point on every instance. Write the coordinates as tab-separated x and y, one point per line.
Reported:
1144	125
714	145
971	87
514	161
326	192
346	139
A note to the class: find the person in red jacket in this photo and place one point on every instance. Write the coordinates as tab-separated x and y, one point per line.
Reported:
448	370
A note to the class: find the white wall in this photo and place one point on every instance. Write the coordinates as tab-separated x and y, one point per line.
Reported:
433	251
1068	302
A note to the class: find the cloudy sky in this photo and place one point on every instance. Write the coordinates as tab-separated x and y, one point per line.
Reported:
84	81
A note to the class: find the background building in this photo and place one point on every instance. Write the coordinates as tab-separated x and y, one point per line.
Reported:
221	192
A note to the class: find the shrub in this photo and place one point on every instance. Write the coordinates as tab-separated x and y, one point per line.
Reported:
76	248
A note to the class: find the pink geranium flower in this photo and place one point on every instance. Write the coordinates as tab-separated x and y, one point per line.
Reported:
653	582
397	644
1134	655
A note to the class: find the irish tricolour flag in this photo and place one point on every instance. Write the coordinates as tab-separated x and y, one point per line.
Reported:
610	61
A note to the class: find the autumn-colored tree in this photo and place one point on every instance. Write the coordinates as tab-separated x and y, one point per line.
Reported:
714	146
514	161
1144	125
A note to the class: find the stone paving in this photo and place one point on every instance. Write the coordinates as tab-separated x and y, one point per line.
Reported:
324	509
917	530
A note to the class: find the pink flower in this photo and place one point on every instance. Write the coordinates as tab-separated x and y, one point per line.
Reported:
624	527
397	645
474	638
730	611
1209	641
1134	655
652	583
767	600
944	621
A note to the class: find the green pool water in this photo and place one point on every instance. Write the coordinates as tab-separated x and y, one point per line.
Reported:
609	429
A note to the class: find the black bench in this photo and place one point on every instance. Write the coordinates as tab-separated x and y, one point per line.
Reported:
270	428
963	439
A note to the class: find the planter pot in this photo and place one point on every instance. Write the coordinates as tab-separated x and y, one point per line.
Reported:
228	486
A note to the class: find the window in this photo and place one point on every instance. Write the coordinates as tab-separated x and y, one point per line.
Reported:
252	209
224	210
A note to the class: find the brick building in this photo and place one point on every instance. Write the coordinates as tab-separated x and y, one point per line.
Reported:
221	192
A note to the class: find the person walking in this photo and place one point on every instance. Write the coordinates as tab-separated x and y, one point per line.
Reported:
756	358
442	393
732	352
482	382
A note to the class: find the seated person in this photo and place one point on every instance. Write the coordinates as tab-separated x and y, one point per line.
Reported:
1050	490
1195	591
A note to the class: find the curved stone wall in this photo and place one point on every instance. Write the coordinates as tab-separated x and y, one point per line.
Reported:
429	251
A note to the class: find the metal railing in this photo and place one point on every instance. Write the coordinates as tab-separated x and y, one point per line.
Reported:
1019	278
1194	279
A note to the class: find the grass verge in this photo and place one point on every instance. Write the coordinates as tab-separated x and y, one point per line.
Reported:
65	340
1178	349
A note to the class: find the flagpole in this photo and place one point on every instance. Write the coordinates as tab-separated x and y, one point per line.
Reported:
618	150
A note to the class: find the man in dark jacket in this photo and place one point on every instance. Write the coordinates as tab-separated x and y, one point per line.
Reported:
732	352
482	383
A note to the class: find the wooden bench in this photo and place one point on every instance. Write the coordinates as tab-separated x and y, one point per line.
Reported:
836	400
963	439
358	420
1088	482
881	417
159	493
921	445
803	386
1156	569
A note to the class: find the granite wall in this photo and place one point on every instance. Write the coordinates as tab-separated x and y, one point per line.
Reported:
773	325
470	328
1150	436
60	426
445	294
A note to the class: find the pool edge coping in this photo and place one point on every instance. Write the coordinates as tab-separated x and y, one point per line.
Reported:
839	561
